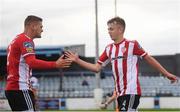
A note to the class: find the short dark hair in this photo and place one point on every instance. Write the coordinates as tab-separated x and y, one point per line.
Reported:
119	21
31	18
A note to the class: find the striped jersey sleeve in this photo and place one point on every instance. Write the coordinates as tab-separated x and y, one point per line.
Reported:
105	56
138	50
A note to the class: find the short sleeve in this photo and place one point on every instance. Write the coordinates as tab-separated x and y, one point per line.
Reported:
138	50
103	57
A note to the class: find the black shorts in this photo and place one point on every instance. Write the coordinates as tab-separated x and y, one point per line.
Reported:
20	100
128	102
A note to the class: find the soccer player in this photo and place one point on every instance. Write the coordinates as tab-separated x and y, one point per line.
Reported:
123	55
20	62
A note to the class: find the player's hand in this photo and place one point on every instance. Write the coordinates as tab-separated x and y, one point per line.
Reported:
103	105
63	63
172	77
72	56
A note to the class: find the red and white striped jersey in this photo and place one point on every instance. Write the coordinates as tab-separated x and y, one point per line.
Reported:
124	59
18	70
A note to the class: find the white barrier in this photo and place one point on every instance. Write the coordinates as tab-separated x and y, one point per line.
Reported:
90	103
98	95
169	102
4	105
145	103
80	103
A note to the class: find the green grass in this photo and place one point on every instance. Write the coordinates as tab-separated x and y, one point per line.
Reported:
140	110
111	111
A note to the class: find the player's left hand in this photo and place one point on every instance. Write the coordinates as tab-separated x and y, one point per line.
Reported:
103	106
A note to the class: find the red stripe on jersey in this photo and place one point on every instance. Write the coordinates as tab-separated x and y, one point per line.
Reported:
110	51
13	74
116	67
125	55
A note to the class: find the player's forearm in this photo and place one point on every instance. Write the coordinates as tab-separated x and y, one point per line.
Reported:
111	99
154	63
39	64
89	66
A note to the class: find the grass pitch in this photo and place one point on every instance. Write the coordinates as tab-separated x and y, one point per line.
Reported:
140	110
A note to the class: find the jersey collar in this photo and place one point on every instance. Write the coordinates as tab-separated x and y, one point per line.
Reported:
120	42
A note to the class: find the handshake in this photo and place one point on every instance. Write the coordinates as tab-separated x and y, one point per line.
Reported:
66	59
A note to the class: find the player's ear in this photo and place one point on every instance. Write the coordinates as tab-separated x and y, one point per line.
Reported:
34	25
31	26
121	29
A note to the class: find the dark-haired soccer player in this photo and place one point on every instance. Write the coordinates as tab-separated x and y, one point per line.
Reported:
20	62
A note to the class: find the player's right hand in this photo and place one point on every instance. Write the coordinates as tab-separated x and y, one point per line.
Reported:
172	77
63	63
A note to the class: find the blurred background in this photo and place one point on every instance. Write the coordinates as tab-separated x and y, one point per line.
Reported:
81	26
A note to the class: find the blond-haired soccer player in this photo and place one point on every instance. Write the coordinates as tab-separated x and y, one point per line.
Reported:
123	55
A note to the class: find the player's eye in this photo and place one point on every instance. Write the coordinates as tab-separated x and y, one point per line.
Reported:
110	29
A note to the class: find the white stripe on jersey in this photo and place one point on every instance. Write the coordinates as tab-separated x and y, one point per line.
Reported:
112	61
24	74
27	54
120	68
131	71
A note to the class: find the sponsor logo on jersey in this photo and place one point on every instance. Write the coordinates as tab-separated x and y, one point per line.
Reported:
119	57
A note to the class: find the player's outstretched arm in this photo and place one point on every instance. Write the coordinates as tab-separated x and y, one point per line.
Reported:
90	66
41	64
154	63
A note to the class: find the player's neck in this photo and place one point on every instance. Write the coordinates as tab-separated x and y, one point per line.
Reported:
119	40
28	34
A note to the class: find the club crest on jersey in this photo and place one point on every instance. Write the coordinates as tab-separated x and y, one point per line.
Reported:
123	49
28	46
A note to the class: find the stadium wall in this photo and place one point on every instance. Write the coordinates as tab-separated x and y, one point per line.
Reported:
89	103
145	103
